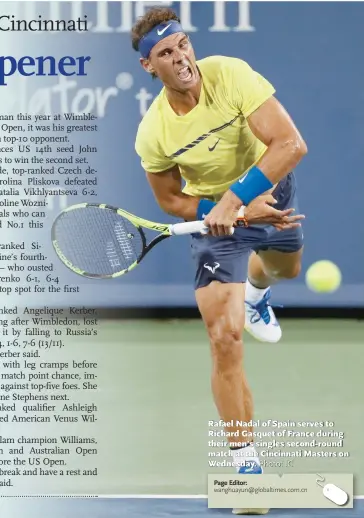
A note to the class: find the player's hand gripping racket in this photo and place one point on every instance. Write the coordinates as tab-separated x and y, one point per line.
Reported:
103	242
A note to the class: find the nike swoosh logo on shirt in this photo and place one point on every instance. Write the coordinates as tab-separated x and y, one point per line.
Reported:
213	147
200	139
163	30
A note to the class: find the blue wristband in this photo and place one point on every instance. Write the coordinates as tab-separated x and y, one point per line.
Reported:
204	208
253	184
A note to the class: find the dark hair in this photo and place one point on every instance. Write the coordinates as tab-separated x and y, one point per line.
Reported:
151	18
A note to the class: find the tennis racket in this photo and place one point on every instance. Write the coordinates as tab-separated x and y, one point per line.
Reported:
103	242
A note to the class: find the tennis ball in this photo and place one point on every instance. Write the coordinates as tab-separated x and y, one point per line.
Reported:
323	277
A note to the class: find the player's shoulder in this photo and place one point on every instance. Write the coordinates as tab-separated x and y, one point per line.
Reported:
217	66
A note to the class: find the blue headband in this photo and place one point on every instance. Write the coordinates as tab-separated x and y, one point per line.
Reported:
158	32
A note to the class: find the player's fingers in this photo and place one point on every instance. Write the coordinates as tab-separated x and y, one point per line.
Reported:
208	224
222	230
286	217
296	217
276	216
290	219
229	230
278	226
226	229
281	213
214	229
289	224
211	224
268	198
295	221
286	226
217	229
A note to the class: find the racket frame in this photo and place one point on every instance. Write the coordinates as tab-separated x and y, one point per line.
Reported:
166	230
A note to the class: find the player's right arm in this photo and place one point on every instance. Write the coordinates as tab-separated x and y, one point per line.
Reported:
162	173
167	189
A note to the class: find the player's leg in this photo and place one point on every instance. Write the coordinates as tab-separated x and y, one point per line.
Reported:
279	257
268	267
221	270
223	315
221	265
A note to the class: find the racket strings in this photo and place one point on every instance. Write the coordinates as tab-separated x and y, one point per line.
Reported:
98	241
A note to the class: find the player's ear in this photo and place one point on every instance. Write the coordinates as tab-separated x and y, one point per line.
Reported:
146	65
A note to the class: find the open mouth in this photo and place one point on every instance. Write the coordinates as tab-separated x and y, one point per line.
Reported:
185	74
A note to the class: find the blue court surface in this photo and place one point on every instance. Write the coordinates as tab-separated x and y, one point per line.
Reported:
148	507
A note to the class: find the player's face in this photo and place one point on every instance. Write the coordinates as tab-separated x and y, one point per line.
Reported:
173	61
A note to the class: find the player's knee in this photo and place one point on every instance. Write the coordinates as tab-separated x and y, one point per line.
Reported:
292	271
226	345
287	272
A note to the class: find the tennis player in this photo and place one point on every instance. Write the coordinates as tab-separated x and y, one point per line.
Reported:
217	125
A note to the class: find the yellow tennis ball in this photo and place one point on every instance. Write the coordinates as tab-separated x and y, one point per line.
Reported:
323	277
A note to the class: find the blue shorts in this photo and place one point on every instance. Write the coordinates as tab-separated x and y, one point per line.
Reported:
225	259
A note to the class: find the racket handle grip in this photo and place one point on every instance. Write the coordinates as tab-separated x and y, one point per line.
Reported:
191	227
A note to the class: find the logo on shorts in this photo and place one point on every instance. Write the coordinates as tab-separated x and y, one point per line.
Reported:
212	268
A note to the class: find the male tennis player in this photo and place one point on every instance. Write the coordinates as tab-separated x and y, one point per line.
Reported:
217	125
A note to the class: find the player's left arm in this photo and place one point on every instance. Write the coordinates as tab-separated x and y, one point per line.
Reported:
252	96
273	126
